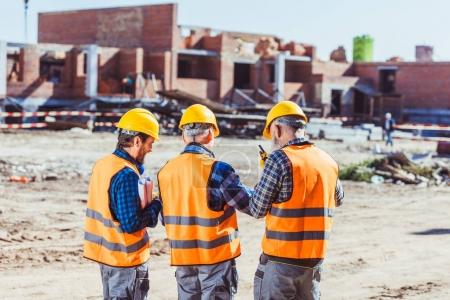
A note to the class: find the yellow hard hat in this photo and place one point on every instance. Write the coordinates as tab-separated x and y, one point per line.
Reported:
140	120
198	113
281	109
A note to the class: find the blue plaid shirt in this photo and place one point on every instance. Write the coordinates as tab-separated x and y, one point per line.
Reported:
225	186
124	198
275	185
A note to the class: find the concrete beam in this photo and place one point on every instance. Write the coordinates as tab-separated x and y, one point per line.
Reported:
42	47
298	58
280	62
198	52
246	60
92	71
3	62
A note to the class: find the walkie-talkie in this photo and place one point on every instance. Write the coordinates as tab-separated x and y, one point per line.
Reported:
263	155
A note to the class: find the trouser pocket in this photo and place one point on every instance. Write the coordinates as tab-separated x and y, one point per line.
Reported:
141	285
226	281
259	275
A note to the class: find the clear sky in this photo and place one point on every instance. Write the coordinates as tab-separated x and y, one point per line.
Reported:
396	25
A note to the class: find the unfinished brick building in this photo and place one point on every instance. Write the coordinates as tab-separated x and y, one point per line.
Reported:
199	61
143	49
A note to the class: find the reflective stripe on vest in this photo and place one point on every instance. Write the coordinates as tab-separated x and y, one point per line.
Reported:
302	212
299	228
197	235
98	216
297	236
104	240
190	244
205	222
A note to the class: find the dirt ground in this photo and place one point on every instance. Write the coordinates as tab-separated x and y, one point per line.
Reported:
388	241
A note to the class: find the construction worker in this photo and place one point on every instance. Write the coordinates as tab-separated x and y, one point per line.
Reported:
199	196
388	129
297	193
117	216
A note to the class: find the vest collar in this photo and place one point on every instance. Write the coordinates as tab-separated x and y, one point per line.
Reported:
298	142
197	148
124	155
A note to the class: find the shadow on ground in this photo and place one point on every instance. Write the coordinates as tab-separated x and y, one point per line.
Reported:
434	231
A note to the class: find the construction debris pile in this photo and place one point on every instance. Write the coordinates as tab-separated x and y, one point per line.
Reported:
33	171
399	169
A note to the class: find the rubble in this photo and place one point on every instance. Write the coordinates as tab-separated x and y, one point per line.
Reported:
266	47
37	172
398	168
339	55
395	59
295	49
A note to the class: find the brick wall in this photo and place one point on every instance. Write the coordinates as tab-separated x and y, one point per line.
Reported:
163	66
331	68
423	85
200	87
29	60
213	43
297	71
77	27
130	61
368	72
160	27
152	27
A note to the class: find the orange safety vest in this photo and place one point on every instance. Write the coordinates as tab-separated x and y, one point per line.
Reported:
197	234
104	240
299	228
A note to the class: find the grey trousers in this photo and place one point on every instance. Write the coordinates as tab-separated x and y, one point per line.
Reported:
125	283
209	282
279	281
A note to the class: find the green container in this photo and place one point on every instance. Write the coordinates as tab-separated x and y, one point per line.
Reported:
362	48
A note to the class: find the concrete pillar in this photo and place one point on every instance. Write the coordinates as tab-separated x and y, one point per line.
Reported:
280	62
226	76
29	61
92	71
3	62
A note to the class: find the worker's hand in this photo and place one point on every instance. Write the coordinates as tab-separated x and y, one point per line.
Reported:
145	192
262	162
262	156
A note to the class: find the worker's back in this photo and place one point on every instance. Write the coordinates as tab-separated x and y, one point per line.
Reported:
299	227
105	241
197	234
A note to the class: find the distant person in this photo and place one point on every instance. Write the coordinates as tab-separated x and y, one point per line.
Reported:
200	196
117	216
297	194
127	84
388	127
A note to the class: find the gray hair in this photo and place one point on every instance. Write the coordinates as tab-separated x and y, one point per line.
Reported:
293	122
196	129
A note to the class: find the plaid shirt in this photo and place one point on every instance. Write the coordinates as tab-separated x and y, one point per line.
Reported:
224	185
124	198
275	185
